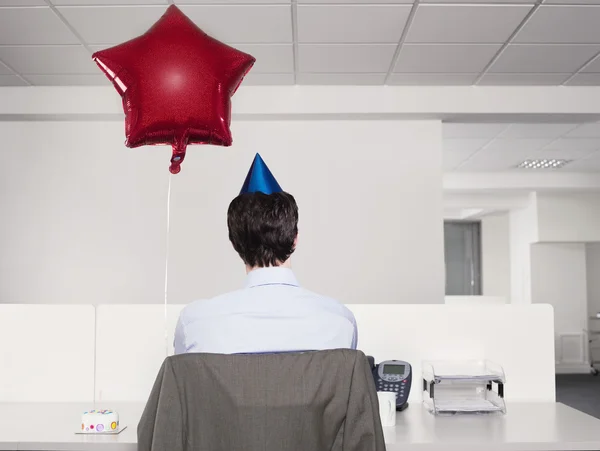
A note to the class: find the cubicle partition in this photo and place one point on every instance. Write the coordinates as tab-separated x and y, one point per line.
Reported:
111	353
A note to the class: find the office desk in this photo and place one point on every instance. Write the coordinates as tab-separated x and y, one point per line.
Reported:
526	427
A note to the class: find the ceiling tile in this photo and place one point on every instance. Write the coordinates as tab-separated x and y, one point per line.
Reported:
111	25
4	70
23	3
41	24
465	23
432	79
591	164
562	24
566	154
495	161
11	80
107	2
379	2
549	131
445	58
468	146
543	58
225	2
267	79
482	2
351	23
340	79
575	144
584	80
68	59
593	66
68	80
270	58
345	58
525	145
451	130
572	2
452	160
237	24
522	79
591	130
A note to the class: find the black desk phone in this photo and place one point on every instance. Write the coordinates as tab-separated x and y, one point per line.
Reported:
393	375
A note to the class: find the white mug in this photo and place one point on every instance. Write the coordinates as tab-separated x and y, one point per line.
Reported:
387	408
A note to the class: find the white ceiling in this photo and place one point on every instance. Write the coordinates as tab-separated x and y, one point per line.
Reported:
442	42
501	147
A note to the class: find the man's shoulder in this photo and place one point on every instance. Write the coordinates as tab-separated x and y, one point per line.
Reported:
210	304
328	302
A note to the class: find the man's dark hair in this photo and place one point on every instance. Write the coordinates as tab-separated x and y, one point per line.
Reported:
263	228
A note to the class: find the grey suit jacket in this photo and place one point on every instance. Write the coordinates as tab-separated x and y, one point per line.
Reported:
313	401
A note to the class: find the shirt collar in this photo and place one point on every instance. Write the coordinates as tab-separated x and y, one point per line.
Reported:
271	276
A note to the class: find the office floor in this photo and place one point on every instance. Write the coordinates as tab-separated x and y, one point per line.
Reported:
580	391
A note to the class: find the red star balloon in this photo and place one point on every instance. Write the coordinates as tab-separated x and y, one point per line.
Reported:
176	83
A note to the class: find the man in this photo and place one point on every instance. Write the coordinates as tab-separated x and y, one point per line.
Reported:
272	313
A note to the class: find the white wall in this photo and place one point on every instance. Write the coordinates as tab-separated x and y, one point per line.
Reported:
495	255
593	278
569	217
522	232
84	218
558	277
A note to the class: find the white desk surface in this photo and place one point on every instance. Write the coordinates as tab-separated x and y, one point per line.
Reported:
526	427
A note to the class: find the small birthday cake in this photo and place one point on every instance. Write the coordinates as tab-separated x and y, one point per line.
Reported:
99	421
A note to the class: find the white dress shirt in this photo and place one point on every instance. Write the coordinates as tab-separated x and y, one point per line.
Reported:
271	314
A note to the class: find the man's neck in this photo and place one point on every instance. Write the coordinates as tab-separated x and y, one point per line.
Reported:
285	264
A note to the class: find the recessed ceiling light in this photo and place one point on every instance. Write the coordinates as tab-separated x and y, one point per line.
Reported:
543	164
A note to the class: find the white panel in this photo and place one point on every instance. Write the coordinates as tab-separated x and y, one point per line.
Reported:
277	58
550	131
72	59
253	79
351	23
41	24
562	24
490	79
340	79
571	348
182	3
454	158
128	376
593	66
585	131
111	25
574	144
46	353
432	79
544	58
345	58
68	80
472	131
501	333
584	80
244	23
445	58
465	23
11	80
498	332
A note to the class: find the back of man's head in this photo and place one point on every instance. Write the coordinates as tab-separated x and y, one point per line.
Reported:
263	228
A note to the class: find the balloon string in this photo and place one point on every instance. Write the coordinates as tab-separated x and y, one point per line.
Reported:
167	265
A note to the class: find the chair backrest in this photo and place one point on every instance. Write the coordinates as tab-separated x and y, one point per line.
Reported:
312	401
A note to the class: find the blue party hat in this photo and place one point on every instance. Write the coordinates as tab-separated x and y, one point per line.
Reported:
260	179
